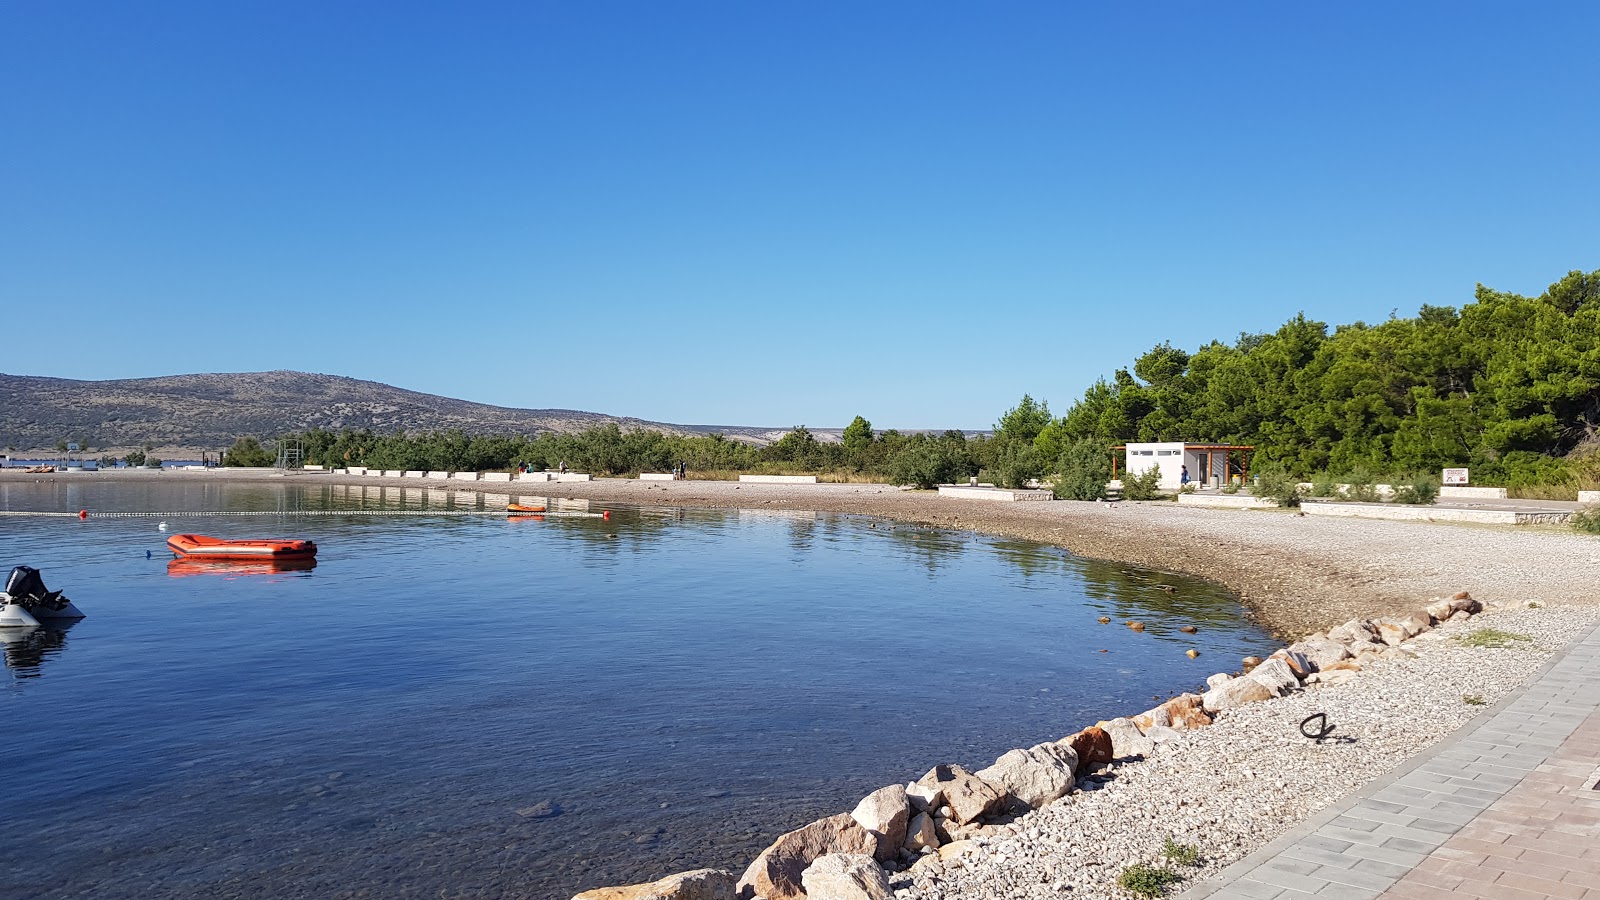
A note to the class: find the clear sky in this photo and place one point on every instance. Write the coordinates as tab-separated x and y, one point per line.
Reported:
768	213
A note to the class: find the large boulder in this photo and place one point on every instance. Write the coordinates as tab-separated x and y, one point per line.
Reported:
845	876
1034	776
967	795
1062	750
1319	652
924	797
1441	610
1416	622
885	813
1391	631
1126	739
775	874
701	884
1235	693
1093	746
1276	675
1463	603
1153	718
1218	680
1186	712
921	832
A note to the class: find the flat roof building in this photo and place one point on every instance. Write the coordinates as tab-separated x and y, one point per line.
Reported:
1208	465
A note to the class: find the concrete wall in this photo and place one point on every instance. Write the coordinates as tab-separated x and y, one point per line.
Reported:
465	476
657	476
1435	514
778	479
1461	492
393	473
993	495
574	476
1168	455
438	474
497	476
536	476
357	470
415	475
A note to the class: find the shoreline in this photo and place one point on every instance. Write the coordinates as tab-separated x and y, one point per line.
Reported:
1295	574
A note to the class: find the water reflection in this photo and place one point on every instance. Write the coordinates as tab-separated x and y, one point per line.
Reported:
25	649
181	568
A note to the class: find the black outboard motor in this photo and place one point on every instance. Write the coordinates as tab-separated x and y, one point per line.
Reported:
26	587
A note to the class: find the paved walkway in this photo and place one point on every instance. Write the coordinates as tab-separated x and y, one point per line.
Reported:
1505	809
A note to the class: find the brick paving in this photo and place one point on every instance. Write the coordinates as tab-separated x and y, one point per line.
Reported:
1506	809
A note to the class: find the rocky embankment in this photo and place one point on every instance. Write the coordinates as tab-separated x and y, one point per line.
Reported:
1183	788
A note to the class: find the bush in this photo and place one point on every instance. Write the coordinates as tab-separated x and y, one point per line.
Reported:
1083	469
927	465
1420	490
1324	485
1181	854
248	452
136	458
1142	487
1230	488
1587	520
1492	638
1280	486
1362	487
1147	881
1016	464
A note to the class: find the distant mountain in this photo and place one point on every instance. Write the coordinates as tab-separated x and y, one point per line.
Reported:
210	411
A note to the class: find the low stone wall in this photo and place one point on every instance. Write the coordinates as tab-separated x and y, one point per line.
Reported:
657	476
393	473
356	470
778	479
374	473
464	476
1462	492
536	476
497	476
1435	514
438	474
992	494
415	475
573	477
928	824
1227	501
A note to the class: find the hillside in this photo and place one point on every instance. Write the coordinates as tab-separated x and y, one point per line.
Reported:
210	411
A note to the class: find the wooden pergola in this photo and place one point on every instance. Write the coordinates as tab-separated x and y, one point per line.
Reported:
1226	449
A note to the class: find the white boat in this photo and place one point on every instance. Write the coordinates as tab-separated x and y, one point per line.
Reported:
27	603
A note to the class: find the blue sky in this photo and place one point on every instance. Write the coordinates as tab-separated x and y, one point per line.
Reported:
759	213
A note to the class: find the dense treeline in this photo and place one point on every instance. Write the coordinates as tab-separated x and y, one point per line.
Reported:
1509	385
924	459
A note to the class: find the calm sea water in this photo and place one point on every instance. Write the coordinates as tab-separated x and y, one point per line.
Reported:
453	705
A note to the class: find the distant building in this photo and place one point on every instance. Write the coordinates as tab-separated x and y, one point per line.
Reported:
1209	464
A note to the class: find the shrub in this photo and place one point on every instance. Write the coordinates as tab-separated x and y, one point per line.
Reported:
927	464
247	451
1492	638
1147	881
1587	519
1420	490
1278	485
1362	487
1181	854
1324	485
1016	464
1230	488
1142	487
1083	469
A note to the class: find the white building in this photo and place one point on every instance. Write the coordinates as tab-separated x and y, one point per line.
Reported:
1208	465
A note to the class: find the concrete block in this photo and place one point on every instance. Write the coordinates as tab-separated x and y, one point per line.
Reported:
464	476
1436	514
393	473
415	475
438	474
496	476
374	473
357	470
657	476
778	479
992	494
1462	492
536	476
573	476
1589	496
313	468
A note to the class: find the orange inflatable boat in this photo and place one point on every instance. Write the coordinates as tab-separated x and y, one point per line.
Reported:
198	546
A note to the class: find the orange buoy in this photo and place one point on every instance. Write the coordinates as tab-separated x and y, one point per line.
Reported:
83	514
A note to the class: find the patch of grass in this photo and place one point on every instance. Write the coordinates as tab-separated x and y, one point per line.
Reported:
1492	638
1474	700
1180	854
1147	881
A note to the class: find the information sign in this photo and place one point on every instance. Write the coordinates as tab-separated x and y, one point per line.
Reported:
1455	476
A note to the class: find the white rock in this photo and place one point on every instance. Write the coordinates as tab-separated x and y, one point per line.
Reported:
920	833
1218	680
1276	676
1235	693
1127	740
1034	776
885	812
845	876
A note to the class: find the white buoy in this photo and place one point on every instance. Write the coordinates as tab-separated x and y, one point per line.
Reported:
162	527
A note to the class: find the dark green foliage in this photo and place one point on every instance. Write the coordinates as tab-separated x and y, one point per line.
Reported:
1587	520
1507	384
927	463
1180	854
134	458
1082	471
1142	487
1015	464
247	451
1147	881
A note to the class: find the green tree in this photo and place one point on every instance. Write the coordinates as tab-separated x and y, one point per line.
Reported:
1082	470
857	439
247	452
